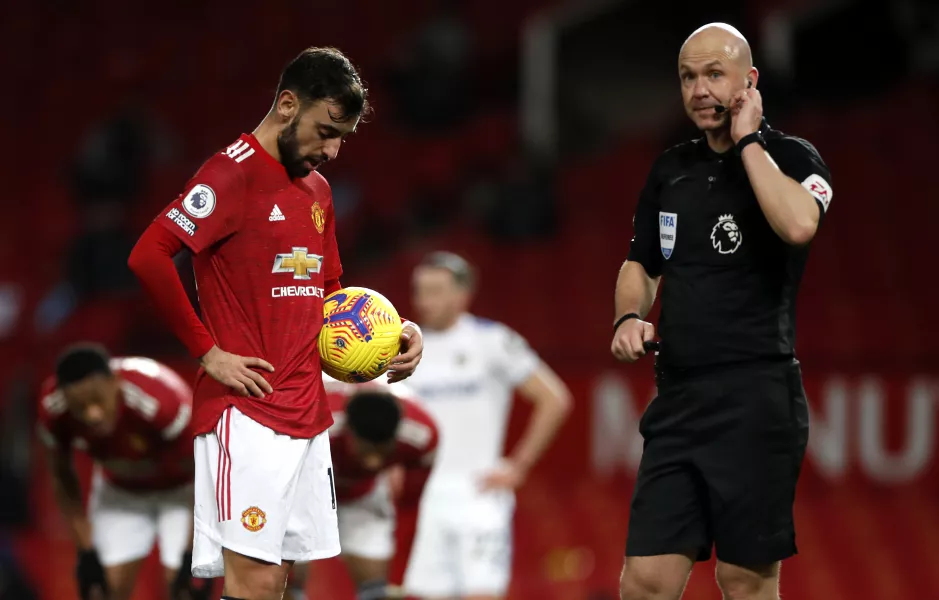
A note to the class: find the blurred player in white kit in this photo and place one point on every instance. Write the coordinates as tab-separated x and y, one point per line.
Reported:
383	444
471	368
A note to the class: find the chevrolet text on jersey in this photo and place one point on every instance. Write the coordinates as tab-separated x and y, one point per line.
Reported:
297	290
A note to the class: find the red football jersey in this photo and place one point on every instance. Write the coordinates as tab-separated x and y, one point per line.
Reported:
415	449
151	447
264	246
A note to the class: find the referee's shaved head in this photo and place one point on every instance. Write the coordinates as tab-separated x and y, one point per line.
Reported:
714	63
719	38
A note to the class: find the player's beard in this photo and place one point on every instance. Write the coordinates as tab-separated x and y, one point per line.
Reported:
289	148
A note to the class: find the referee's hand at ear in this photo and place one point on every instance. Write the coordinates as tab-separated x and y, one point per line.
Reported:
629	337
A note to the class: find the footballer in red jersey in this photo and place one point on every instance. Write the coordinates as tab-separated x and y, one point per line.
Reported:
383	446
132	417
260	223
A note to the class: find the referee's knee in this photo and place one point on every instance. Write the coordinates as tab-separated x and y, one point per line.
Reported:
748	583
653	578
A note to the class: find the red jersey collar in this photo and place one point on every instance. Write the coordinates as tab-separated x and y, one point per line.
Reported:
254	143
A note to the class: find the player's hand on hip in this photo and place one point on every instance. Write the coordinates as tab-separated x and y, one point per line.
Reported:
746	113
412	345
628	340
506	476
237	372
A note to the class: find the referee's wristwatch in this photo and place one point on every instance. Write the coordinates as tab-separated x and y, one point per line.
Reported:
751	138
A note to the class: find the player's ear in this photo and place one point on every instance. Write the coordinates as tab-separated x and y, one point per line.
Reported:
288	105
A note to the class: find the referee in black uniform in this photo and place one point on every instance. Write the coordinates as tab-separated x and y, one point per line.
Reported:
726	220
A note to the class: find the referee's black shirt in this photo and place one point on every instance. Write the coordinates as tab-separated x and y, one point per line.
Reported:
729	281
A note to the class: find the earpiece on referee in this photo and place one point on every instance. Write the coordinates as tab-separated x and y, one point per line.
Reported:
749	83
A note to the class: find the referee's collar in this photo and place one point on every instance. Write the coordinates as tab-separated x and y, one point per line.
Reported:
708	153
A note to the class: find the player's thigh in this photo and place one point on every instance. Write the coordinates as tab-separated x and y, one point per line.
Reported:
668	513
174	519
432	565
485	548
752	471
122	578
367	525
367	537
248	577
661	577
245	486
122	524
363	570
312	527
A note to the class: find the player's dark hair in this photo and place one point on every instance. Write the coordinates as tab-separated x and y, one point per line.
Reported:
462	272
326	74
373	415
81	361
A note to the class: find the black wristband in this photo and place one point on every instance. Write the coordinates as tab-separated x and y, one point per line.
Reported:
623	319
750	138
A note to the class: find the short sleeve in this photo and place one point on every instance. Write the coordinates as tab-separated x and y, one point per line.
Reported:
175	410
158	393
210	207
800	161
644	248
513	359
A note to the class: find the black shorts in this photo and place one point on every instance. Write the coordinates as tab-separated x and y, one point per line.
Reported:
721	457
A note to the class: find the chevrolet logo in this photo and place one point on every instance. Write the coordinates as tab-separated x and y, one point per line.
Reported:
298	262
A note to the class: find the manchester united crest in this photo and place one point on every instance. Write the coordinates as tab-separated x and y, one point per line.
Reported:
319	217
253	519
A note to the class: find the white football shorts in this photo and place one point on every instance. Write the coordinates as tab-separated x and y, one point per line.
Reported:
367	524
261	494
462	547
126	524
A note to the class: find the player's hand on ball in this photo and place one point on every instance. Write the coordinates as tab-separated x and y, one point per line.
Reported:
412	344
628	339
746	113
507	476
236	372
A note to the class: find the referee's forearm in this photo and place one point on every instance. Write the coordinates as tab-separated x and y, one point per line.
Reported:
789	208
635	290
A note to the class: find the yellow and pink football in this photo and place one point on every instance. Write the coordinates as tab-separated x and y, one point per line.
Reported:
361	334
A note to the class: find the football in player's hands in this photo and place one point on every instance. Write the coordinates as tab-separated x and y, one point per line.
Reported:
412	342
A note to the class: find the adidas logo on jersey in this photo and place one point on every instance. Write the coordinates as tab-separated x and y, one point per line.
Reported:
276	215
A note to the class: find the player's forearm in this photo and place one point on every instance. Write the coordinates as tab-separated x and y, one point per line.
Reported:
789	209
552	404
635	290
68	497
152	261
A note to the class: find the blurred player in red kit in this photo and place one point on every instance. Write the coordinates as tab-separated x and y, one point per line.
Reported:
383	445
259	221
132	417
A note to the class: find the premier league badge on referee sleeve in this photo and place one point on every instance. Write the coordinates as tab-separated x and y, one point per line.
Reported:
668	229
